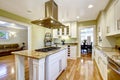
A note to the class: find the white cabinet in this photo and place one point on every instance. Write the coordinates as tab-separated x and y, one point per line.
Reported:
104	41
55	33
38	69
113	19
110	20
55	64
64	59
73	52
101	61
61	32
117	16
69	30
73	30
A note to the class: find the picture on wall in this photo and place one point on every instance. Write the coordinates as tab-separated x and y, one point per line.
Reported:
4	35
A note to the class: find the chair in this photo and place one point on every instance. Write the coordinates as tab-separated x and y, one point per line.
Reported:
84	49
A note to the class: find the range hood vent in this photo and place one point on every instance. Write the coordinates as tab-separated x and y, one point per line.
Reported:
51	16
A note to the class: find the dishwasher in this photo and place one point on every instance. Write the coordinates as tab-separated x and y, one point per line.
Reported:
113	70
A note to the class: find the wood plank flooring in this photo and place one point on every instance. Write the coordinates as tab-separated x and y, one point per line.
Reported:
81	69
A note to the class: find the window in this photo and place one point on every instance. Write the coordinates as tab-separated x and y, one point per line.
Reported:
4	35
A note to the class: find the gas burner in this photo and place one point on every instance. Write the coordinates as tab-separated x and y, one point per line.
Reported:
47	49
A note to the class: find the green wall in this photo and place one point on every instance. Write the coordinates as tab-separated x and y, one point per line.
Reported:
12	16
87	23
37	32
118	41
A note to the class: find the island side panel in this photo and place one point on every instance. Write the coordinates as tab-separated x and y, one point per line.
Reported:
20	70
39	69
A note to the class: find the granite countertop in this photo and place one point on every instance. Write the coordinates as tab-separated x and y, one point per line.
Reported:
112	53
35	54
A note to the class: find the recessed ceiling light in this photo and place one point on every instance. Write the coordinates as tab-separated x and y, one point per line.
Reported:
51	21
77	17
2	22
90	6
62	19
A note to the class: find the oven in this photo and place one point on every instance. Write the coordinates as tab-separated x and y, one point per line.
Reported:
113	70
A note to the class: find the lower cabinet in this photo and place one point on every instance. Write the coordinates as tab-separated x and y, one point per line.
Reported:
101	61
55	64
72	52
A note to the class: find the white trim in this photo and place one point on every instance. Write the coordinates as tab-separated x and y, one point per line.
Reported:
21	23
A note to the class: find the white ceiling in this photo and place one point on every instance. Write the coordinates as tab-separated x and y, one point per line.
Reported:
68	9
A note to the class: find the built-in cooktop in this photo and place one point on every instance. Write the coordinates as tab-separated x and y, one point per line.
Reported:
47	49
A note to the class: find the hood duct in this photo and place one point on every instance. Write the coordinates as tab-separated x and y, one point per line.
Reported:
51	16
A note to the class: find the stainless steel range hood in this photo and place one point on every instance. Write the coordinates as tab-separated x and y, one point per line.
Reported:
51	16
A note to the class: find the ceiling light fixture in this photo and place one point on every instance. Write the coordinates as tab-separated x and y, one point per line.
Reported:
62	19
90	6
77	17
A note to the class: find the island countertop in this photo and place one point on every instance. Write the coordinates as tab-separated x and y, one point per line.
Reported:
36	54
112	53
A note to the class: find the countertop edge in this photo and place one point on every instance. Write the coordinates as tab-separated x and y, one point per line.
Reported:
37	55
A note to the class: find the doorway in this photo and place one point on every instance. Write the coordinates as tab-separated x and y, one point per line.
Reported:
18	32
87	40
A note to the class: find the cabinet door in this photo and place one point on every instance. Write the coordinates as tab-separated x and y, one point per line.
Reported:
117	15
101	61
64	58
110	20
73	52
55	33
73	30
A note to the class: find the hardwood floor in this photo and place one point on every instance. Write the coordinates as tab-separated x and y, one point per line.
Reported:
81	69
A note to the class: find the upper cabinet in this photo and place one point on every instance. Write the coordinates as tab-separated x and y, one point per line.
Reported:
117	16
73	30
113	19
55	33
110	20
69	30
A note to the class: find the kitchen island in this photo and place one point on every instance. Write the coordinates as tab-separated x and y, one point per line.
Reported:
42	65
